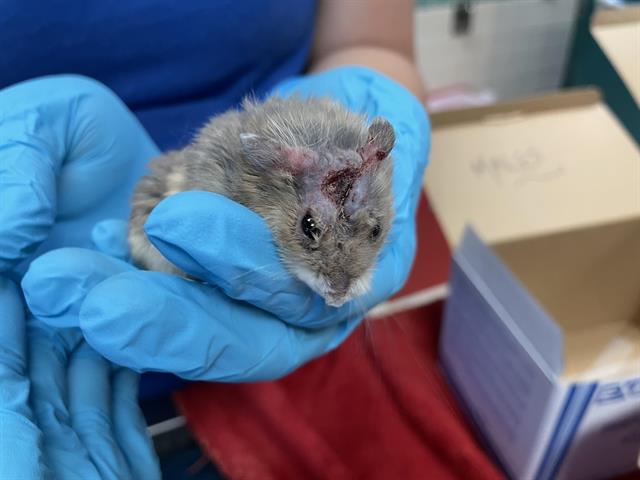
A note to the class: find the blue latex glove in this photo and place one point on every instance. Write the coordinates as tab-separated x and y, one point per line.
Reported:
70	152
256	322
65	412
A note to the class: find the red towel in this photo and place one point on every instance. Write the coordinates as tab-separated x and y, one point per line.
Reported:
376	408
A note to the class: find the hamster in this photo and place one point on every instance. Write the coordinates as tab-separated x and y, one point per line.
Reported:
318	174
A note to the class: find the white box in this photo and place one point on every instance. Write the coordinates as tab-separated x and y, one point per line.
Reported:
512	48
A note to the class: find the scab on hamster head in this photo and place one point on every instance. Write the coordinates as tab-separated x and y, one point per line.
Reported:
332	233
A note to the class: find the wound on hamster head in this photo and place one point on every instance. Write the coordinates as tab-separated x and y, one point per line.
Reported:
337	185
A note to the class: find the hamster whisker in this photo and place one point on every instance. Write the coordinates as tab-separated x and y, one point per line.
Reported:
370	344
257	269
431	372
361	307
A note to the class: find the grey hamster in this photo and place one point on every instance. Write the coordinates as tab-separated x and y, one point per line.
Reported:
318	174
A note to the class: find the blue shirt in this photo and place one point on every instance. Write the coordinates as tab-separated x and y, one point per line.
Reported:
174	63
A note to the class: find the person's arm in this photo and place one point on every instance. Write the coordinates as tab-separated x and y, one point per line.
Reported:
372	33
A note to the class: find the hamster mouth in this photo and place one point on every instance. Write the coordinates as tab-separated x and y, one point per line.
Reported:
333	298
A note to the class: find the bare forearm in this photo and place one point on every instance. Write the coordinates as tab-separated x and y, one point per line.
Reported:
372	33
386	61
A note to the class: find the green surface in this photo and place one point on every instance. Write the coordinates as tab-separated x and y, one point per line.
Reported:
189	464
588	65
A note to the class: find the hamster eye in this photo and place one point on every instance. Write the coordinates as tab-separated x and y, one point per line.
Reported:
310	227
375	232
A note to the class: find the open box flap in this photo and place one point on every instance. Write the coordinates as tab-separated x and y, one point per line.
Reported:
535	166
520	313
617	31
588	281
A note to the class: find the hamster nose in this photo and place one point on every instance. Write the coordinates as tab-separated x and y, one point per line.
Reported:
341	284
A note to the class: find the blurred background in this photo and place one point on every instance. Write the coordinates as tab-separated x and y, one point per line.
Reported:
474	52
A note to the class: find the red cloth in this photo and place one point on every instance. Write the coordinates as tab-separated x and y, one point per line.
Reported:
376	408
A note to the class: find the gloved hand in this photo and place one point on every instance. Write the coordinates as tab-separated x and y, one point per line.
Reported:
65	412
70	154
256	322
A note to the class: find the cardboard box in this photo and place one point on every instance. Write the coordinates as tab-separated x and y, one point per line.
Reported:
541	335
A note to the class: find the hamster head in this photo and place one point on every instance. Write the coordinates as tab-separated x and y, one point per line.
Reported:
328	201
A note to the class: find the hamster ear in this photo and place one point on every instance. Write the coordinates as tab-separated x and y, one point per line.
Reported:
263	153
379	142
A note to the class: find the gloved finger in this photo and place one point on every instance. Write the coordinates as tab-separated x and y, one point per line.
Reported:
64	143
150	321
20	439
57	282
14	394
393	268
28	170
110	238
129	426
89	383
49	352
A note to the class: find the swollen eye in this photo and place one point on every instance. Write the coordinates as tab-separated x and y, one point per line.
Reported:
375	232
309	227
